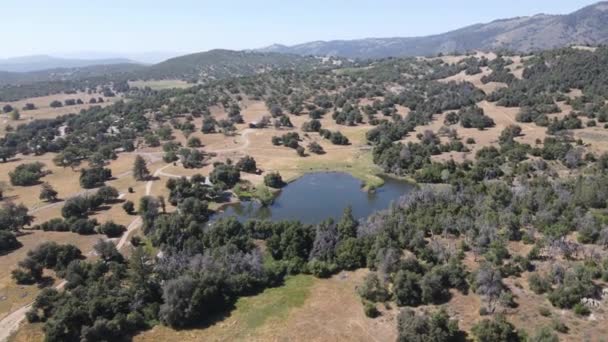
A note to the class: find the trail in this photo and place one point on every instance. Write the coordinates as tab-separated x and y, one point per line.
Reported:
11	322
80	193
137	222
245	135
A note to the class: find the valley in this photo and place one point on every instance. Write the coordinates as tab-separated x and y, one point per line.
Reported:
269	196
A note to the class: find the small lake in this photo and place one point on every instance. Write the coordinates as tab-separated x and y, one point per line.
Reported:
315	197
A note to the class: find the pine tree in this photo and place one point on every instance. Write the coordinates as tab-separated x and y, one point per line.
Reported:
347	226
140	170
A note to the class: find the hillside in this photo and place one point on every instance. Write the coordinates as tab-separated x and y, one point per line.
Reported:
198	67
586	26
43	62
217	64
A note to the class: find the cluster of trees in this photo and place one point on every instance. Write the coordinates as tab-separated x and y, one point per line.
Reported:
473	117
225	176
336	138
94	177
46	255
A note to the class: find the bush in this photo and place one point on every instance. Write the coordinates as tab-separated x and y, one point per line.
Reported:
538	284
129	207
581	310
111	229
544	335
498	329
8	241
274	180
370	309
247	164
437	327
316	148
372	289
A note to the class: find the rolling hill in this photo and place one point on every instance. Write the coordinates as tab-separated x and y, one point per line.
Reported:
586	26
217	64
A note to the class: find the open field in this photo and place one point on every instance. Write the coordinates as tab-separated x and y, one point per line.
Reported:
45	111
304	309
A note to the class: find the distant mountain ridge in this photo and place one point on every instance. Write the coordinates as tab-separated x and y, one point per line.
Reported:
587	26
44	62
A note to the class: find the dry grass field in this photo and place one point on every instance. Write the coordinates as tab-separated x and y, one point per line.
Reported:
303	309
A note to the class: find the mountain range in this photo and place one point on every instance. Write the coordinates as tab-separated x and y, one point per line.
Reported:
587	26
44	62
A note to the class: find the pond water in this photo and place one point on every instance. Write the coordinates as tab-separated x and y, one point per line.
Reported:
315	197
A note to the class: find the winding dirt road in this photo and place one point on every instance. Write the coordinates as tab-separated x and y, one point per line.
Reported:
10	323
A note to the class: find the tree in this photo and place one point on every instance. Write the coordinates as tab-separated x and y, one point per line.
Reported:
56	104
194	142
347	226
316	148
438	327
107	194
15	115
8	241
7	153
107	251
488	283
76	207
274	180
140	169
372	289
247	164
498	329
7	108
14	217
48	193
129	207
225	176
27	174
94	177
406	288
111	229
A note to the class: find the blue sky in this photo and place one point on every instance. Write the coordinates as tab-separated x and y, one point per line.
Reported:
130	26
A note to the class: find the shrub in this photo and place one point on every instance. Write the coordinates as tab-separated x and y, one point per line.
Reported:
581	310
498	329
372	289
370	309
111	229
129	207
274	180
247	164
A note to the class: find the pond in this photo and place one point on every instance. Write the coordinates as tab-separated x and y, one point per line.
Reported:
315	197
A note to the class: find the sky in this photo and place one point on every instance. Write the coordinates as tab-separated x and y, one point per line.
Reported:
132	27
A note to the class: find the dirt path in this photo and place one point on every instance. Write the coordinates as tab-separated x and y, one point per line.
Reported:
10	323
245	135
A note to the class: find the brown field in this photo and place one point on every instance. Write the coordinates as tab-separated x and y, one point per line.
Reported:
44	111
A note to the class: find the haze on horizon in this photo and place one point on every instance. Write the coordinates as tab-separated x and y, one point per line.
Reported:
113	28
